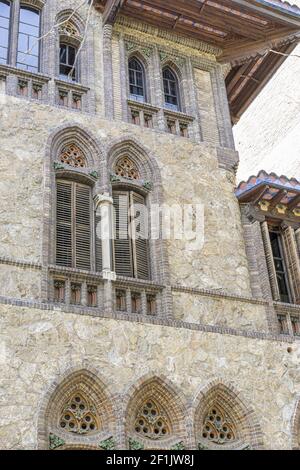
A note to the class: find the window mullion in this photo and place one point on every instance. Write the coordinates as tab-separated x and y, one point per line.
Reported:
14	32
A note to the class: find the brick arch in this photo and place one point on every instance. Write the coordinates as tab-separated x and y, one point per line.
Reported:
227	399
72	133
296	427
142	156
76	19
169	399
87	383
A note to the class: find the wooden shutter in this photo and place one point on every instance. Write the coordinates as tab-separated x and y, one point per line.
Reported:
122	246
292	261
270	261
98	243
140	243
64	223
83	226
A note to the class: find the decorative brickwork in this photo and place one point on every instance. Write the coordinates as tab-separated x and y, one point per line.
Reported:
76	410
155	414
223	421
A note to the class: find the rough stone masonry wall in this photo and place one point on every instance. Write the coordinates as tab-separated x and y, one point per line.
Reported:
38	348
189	173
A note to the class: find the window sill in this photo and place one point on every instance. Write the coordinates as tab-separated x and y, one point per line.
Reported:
68	84
178	115
142	105
10	70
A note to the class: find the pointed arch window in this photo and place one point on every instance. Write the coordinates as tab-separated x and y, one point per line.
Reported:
28	53
137	82
218	428
5	14
67	58
171	89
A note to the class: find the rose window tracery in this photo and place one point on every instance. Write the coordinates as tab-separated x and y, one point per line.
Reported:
151	422
69	29
73	156
126	168
79	416
217	428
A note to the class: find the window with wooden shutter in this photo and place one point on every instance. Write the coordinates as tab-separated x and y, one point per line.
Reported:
98	242
292	262
73	225
131	246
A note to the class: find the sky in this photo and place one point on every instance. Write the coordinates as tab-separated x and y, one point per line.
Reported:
268	134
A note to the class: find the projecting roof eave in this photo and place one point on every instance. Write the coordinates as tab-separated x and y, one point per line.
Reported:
277	197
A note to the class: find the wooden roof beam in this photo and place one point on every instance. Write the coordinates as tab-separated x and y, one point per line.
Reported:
239	52
277	198
294	202
111	10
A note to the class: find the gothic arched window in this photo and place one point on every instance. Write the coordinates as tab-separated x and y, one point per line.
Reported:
5	14
131	245
151	422
67	57
218	428
73	224
171	89
137	83
28	53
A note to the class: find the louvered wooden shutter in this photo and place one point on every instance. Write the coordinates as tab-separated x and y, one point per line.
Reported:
140	243
83	226
64	223
292	261
98	242
122	246
270	260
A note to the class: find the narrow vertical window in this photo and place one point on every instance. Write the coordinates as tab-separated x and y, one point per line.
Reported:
73	225
171	89
67	66
131	247
137	80
280	268
28	39
4	30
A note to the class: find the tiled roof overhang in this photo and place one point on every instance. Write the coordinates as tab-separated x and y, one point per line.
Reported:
277	196
242	30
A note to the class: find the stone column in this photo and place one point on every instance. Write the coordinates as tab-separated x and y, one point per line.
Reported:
104	207
108	72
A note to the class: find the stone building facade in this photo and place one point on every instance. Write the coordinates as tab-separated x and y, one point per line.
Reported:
190	355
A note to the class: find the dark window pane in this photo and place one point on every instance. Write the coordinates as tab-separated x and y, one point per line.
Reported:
72	54
136	78
63	54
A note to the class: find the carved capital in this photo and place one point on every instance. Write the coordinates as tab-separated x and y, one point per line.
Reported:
101	199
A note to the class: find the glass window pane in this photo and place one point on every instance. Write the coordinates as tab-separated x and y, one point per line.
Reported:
4	9
3	37
29	16
4	22
28	46
63	54
3	53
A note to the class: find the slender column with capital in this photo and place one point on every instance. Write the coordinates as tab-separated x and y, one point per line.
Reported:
104	209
